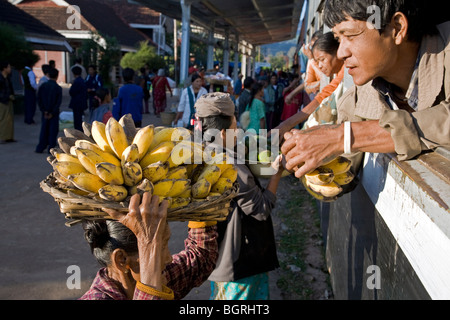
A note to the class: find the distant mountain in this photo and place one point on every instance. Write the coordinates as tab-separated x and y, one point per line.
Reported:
274	48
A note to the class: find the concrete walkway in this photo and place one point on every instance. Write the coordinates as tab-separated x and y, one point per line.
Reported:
37	248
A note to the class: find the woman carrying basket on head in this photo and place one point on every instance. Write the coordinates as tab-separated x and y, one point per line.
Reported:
135	258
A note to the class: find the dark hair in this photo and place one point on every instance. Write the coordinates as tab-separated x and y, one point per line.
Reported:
76	71
248	81
255	88
45	68
195	76
104	236
326	43
53	73
3	65
100	95
422	15
128	74
219	122
93	66
317	34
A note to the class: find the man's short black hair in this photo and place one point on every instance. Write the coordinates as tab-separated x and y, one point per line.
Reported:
128	74
45	68
76	71
53	73
248	81
421	15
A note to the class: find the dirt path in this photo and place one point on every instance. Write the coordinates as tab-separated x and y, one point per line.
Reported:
303	273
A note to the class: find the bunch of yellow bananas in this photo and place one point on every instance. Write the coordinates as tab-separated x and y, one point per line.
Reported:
324	183
117	160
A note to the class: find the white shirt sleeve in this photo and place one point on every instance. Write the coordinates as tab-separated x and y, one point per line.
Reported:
183	100
32	78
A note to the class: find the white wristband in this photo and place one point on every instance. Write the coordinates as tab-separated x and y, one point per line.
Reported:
347	137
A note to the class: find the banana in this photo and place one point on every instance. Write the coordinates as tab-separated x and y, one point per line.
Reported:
132	173
66	143
162	187
186	193
329	190
179	202
113	192
108	157
190	169
66	157
156	171
89	159
76	134
196	173
110	173
177	173
180	154
144	186
159	128
210	173
320	176
143	139
160	153
73	151
127	122
181	134
201	189
87	181
178	187
66	168
130	154
98	132
230	173
116	136
87	127
170	134
222	185
344	178
316	195
162	135
221	160
213	195
338	165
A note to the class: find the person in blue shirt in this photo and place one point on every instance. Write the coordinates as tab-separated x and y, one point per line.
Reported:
93	82
49	100
78	98
130	98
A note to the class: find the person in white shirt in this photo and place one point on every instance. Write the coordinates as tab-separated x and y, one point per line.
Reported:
189	96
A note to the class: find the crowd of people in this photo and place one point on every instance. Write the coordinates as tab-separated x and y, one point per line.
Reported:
399	104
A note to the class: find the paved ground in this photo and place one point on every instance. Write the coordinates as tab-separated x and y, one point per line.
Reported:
36	247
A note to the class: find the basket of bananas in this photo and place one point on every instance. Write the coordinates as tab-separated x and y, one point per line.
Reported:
325	182
103	166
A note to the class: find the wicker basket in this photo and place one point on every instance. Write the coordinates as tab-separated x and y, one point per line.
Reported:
77	208
167	118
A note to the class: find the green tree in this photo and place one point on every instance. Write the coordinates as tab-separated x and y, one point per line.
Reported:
15	49
102	51
144	54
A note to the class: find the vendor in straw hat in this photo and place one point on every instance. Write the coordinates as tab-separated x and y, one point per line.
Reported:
247	249
135	258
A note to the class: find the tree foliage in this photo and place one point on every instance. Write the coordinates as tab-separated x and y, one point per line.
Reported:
15	49
102	51
144	54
